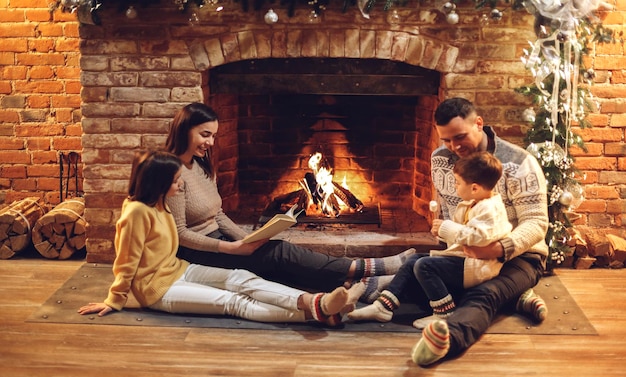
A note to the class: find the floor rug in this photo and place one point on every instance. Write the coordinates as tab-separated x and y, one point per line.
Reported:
91	282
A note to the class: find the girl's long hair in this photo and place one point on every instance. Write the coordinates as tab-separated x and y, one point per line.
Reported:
187	118
152	176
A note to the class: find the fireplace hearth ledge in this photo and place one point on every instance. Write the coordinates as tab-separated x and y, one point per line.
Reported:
400	230
357	243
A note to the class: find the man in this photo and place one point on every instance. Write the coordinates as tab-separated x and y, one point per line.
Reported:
524	251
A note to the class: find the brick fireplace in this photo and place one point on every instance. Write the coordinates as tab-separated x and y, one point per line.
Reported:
376	142
364	94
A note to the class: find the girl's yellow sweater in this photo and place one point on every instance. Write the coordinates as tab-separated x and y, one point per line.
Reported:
146	242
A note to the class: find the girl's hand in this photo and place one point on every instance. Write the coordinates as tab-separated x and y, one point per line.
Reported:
436	225
95	307
240	248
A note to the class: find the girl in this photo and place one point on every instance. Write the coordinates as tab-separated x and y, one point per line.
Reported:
209	237
146	242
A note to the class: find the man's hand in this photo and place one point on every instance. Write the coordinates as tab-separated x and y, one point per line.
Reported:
492	251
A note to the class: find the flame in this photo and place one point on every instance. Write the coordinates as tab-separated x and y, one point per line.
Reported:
325	187
344	183
323	193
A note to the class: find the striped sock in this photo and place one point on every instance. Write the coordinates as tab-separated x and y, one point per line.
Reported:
326	306
367	267
381	310
530	303
374	286
433	345
442	308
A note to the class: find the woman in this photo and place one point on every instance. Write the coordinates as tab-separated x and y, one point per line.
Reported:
146	243
210	237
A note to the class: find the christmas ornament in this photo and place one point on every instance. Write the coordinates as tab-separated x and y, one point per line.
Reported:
131	12
452	18
271	17
576	190
566	198
448	9
496	14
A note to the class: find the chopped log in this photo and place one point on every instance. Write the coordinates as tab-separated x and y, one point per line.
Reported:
579	244
618	247
603	261
348	197
598	245
16	222
80	226
616	242
584	263
6	252
62	231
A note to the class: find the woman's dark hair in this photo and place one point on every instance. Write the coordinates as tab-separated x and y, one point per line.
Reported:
152	176
187	118
452	108
481	168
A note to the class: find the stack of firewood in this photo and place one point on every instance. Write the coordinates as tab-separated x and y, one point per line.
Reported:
62	231
593	249
16	222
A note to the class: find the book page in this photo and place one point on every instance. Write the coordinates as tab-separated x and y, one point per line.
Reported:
275	225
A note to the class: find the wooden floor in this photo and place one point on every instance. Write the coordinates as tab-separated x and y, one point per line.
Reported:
36	349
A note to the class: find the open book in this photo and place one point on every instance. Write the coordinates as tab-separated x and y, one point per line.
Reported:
275	225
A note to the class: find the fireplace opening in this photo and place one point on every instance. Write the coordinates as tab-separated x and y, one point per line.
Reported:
371	121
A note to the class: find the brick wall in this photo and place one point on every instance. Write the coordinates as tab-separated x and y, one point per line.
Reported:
134	75
39	98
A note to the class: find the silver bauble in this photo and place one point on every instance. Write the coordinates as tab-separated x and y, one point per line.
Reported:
271	17
452	18
566	198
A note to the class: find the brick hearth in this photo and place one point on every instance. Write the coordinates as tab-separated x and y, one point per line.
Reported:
399	230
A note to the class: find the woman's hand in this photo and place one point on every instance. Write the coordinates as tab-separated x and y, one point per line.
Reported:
95	307
240	248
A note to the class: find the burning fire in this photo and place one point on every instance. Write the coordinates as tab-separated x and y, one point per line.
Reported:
324	194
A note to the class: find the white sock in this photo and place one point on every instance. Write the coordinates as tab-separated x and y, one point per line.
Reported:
375	311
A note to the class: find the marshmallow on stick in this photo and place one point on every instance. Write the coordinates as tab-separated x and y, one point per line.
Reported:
433	206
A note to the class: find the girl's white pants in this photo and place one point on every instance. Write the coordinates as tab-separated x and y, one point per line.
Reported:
239	293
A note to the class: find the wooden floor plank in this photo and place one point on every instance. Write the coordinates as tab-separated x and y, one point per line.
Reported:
46	349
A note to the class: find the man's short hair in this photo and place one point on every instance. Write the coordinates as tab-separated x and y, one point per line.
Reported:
452	108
